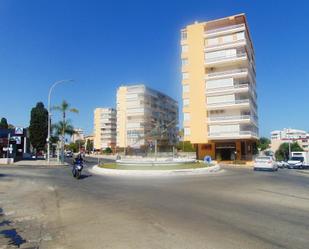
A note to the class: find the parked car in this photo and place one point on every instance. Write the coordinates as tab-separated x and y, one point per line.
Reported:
265	163
29	156
299	159
69	154
282	164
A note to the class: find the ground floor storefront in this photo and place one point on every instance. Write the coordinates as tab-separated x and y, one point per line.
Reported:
228	150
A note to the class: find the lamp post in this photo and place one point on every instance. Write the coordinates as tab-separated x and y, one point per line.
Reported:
49	115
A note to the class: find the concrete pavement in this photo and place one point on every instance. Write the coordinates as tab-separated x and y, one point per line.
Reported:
237	208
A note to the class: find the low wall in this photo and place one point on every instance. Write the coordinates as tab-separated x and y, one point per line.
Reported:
6	160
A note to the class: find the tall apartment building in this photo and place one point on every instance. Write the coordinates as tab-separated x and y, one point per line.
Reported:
104	128
289	135
219	88
140	111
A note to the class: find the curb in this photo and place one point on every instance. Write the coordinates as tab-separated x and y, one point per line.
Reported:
180	172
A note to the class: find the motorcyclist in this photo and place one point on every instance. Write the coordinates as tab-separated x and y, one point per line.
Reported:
79	159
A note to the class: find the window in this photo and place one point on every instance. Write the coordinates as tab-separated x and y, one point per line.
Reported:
184	48
184	62
228	38
185	88
186	116
183	35
187	131
186	102
185	76
228	82
212	41
240	35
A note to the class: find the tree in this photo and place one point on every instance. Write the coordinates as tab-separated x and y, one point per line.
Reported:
283	152
38	126
63	128
108	150
4	123
263	143
64	108
185	146
89	145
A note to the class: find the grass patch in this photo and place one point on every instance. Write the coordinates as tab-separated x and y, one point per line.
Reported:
167	167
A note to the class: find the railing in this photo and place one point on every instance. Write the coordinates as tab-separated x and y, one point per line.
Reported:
230	118
225	43
218	59
224	28
240	70
232	133
235	102
227	118
221	88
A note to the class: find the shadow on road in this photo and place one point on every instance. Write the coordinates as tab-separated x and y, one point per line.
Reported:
10	233
82	177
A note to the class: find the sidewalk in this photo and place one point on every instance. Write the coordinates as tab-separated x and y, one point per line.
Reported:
44	163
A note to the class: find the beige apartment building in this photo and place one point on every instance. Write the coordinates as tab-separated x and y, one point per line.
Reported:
289	136
141	112
219	88
104	128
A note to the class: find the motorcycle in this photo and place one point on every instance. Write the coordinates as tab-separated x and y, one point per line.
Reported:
77	169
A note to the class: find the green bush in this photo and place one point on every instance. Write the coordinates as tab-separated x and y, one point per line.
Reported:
185	146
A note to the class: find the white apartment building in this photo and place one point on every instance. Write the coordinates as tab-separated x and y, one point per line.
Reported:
139	111
104	128
289	135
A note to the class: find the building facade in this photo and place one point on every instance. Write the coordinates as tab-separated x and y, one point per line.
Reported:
289	135
78	135
219	88
142	113
104	128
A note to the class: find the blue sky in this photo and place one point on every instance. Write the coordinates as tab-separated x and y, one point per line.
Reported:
103	44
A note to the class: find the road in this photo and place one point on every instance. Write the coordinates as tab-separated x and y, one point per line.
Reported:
234	208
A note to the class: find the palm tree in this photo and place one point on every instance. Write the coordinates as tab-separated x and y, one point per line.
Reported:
64	126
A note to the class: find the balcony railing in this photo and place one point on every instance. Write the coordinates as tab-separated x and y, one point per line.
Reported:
224	28
232	133
240	70
228	118
221	88
222	58
234	102
224	43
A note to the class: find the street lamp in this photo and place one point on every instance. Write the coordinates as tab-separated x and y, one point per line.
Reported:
49	114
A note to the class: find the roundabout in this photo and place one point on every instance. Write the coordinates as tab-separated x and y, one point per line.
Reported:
144	169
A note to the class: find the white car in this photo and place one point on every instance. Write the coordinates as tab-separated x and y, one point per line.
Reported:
265	163
282	164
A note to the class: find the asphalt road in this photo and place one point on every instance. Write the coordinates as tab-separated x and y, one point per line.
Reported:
234	208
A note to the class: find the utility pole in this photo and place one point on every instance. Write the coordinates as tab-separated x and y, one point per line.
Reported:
8	147
289	148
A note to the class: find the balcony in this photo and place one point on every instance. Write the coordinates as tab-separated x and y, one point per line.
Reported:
236	73
232	135
225	45
237	88
225	60
225	29
232	119
239	103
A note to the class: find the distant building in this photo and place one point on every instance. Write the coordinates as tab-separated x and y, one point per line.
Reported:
78	135
142	110
17	140
104	128
289	135
219	88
